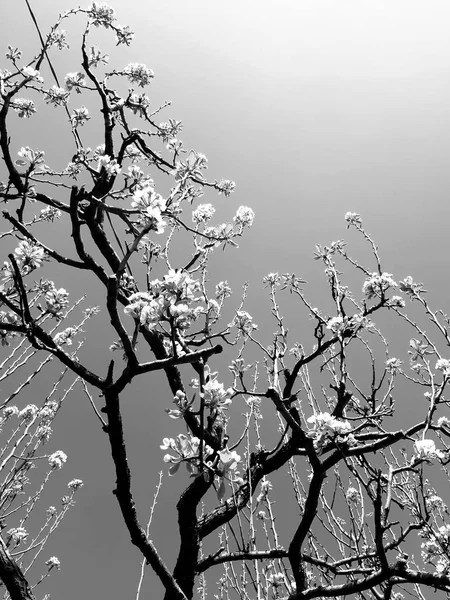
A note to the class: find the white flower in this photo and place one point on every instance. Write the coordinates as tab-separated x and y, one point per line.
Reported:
327	428
57	459
435	502
183	406
226	187
215	396
24	107
56	300
65	337
443	422
52	562
50	213
58	39
80	116
28	413
336	324
226	469
397	301
124	35
228	461
57	96
29	254
10	411
276	579
223	290
244	216
443	364
378	284
272	279
29	156
96	58
43	433
111	167
75	484
186	449
353	219
102	15
243	321
49	410
18	534
139	73
74	81
31	73
203	213
352	496
266	486
393	365
427	449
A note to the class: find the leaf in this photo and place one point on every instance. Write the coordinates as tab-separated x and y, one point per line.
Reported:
21	163
221	490
174	468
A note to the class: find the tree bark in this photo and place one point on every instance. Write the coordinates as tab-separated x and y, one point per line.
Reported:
12	576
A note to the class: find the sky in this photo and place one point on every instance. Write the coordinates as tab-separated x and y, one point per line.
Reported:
314	108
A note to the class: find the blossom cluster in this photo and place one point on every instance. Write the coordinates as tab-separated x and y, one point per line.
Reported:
243	322
150	206
377	285
203	213
24	107
102	15
327	428
435	549
75	81
215	396
11	319
57	96
28	256
139	74
426	449
182	403
443	364
168	300
55	301
186	448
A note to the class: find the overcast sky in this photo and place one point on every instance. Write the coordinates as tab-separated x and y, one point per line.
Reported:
314	108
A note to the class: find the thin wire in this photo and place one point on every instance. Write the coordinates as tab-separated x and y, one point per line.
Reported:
33	17
74	131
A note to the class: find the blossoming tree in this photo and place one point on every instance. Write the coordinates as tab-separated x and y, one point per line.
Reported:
369	520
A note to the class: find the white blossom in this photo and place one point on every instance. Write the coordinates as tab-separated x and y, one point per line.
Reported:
32	74
80	116
53	562
57	96
203	213
102	15
353	218
75	484
18	534
244	216
443	364
377	285
139	73
28	413
24	107
75	81
57	459
426	448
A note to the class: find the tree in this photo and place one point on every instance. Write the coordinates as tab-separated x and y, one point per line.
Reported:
369	520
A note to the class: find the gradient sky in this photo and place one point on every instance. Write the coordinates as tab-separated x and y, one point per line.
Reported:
314	108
